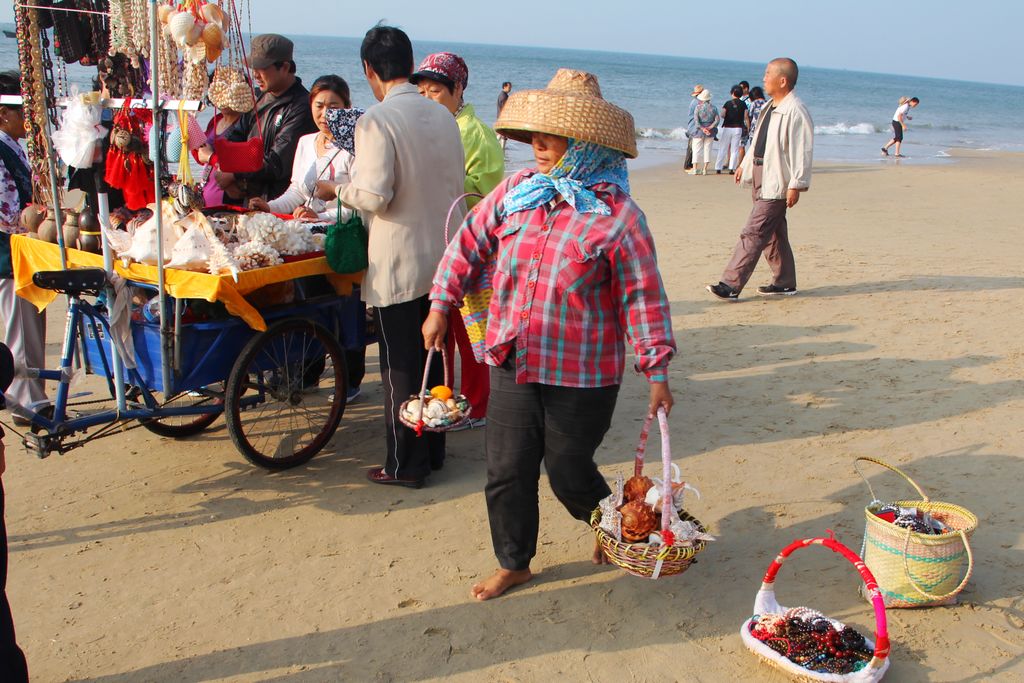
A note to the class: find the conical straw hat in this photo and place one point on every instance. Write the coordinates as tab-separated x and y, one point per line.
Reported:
572	107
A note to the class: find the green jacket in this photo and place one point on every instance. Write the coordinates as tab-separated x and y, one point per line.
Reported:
485	160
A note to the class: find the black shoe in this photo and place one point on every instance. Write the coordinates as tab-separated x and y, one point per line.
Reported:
885	151
774	290
718	171
723	292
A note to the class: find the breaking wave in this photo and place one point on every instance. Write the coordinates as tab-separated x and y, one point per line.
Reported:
846	129
661	133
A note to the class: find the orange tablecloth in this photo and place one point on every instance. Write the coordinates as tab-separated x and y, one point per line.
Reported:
31	255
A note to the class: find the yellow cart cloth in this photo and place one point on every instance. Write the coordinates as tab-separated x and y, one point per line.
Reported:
31	255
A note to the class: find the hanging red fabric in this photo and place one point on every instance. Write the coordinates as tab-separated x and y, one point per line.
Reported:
126	168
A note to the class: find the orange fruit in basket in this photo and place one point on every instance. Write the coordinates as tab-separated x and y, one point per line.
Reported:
442	392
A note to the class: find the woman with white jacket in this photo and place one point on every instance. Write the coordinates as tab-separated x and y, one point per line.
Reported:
318	156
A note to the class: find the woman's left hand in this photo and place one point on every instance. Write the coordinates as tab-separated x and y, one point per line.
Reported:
305	213
661	397
326	190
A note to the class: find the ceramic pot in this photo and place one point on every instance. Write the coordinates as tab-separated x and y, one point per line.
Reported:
48	228
70	229
89	231
31	216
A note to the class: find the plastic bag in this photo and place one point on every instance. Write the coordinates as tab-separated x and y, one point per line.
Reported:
77	138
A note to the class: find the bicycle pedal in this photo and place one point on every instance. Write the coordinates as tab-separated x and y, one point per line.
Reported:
37	444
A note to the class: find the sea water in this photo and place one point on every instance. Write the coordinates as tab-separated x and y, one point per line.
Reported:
851	110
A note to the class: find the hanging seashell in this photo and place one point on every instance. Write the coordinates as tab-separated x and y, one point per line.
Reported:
636	488
638	521
180	25
213	36
196	54
213	14
194	34
164	12
213	53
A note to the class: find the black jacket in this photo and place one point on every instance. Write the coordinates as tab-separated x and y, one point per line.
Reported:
284	119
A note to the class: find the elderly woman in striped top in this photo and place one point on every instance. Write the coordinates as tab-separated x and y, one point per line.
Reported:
576	276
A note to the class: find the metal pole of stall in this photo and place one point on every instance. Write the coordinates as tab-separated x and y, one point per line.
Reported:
103	213
54	181
166	359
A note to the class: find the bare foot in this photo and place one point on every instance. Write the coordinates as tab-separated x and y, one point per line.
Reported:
599	556
499	582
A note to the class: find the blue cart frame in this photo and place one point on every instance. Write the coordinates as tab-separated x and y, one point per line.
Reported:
297	365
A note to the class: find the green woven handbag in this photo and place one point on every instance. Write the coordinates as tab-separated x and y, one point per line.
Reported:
346	244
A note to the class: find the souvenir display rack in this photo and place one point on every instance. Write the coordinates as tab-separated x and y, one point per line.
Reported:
157	364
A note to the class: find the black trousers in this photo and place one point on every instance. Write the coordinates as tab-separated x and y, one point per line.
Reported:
688	162
528	423
13	668
402	358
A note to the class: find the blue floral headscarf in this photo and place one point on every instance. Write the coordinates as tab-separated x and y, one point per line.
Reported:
583	165
342	124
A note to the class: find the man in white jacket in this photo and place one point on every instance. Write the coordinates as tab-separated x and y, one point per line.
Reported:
409	169
779	168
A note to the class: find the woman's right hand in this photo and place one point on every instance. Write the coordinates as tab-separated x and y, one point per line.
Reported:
204	153
259	204
434	329
326	190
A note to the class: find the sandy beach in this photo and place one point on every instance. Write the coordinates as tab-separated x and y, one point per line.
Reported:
140	559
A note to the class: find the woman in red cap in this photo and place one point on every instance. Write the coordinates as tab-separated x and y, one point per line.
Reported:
443	77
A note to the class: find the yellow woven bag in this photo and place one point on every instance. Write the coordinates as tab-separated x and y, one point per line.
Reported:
476	300
914	569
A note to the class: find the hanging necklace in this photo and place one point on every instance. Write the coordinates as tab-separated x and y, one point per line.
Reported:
129	29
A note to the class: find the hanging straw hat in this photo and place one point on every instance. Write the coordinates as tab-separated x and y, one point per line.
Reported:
572	107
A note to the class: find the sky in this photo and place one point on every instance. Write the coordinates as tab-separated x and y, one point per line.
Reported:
973	41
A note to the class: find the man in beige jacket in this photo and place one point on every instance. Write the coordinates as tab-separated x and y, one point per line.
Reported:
779	168
408	171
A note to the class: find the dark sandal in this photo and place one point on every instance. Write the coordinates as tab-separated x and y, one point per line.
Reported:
378	476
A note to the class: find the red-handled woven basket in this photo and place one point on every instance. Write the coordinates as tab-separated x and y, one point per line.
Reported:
651	561
765	603
419	425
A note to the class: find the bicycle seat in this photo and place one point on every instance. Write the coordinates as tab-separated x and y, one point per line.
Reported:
76	281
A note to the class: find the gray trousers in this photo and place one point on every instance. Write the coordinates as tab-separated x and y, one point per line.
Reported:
528	423
25	336
766	232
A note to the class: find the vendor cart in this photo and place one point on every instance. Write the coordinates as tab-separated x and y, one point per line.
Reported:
277	374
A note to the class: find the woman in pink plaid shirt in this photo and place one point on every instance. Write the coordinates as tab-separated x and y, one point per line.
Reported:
575	277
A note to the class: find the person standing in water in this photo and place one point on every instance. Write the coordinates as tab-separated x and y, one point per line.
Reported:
899	120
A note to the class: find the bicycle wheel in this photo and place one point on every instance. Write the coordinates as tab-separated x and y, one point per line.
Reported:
286	394
179	426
